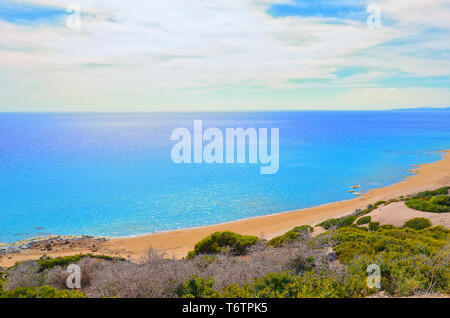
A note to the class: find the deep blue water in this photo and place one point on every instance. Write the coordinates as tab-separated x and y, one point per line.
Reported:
112	174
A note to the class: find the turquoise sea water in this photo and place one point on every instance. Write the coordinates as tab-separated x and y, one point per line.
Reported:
112	174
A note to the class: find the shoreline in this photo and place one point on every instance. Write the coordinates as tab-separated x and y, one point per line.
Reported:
428	176
176	243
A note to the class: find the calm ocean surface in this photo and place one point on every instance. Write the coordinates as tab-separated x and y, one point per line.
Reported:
112	174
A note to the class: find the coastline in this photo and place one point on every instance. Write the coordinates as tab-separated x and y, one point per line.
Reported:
178	242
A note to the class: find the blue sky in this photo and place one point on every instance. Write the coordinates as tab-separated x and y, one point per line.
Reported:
352	10
223	55
29	13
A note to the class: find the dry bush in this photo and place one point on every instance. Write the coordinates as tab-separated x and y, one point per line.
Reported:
158	276
89	268
154	276
25	274
57	278
295	257
228	270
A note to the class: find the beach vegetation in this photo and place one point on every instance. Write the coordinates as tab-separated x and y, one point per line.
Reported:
436	204
327	284
411	262
339	222
63	261
373	226
386	227
361	228
221	242
291	235
392	201
197	287
41	292
2	282
349	219
418	223
437	201
332	264
432	193
353	243
378	203
363	220
24	274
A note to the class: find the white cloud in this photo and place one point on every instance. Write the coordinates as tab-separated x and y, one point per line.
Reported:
418	13
144	54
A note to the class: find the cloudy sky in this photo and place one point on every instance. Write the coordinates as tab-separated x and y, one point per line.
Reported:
151	55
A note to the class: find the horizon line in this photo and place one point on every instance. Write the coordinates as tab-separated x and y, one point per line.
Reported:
216	111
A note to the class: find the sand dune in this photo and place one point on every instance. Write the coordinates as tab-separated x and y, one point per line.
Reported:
396	213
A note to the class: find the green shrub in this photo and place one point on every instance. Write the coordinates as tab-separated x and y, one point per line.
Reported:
301	264
405	274
363	220
309	285
373	226
370	208
41	292
418	223
378	203
361	228
411	262
197	287
272	285
428	205
443	200
290	236
437	201
2	282
352	243
219	242
392	201
48	263
428	194
206	259
340	222
386	227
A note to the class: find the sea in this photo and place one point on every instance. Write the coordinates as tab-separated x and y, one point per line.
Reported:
112	174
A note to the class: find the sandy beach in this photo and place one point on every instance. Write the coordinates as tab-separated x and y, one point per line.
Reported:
178	243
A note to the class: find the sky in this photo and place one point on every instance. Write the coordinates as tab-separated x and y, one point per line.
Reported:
227	55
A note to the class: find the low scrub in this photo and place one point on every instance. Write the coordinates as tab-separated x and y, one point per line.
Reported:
291	235
437	201
418	223
363	220
48	263
373	226
41	292
337	223
349	219
353	243
428	194
410	260
329	284
220	242
197	287
378	203
386	227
